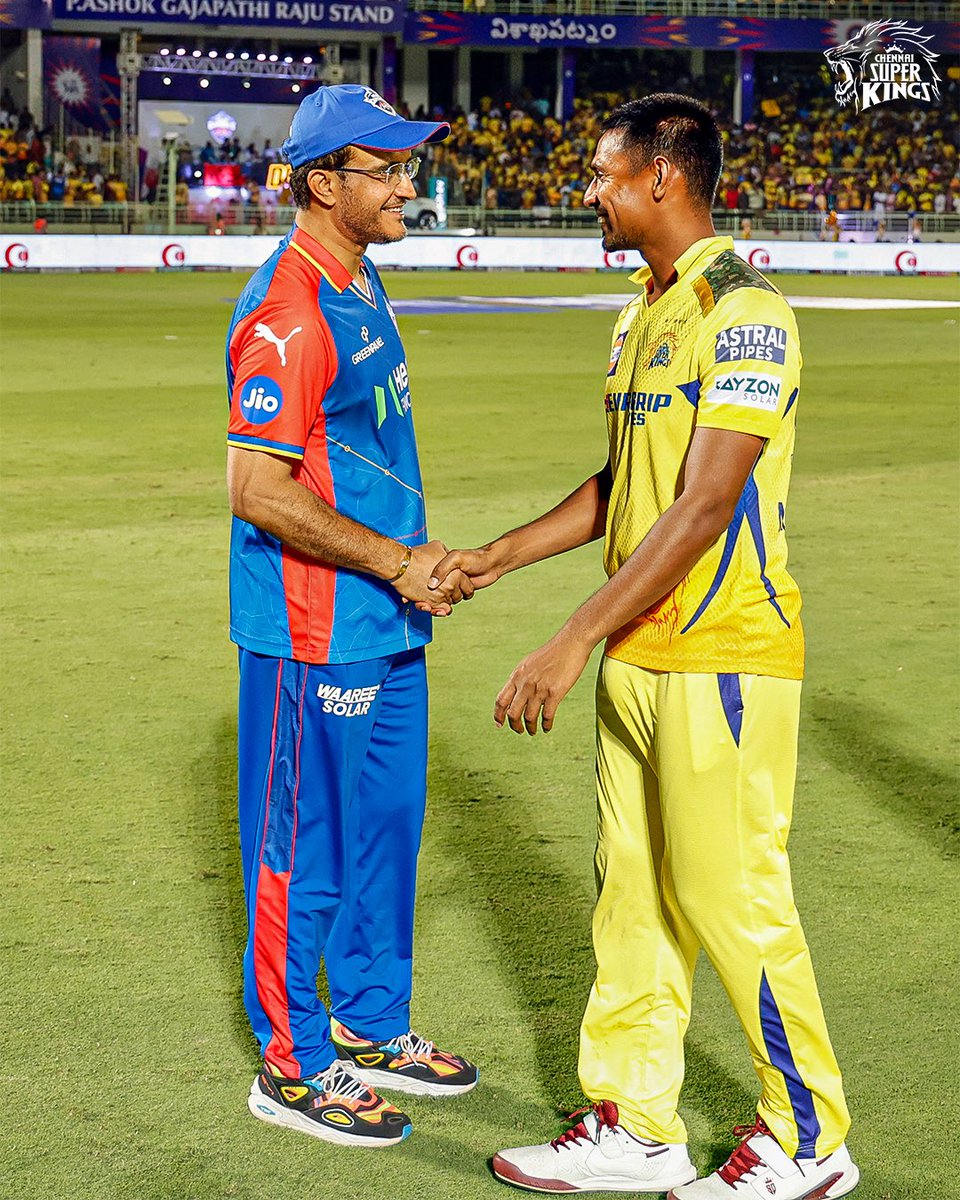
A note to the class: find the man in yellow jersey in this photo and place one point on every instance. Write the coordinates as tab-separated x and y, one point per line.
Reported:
698	696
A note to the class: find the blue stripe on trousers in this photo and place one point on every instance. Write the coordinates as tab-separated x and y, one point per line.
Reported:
778	1048
732	700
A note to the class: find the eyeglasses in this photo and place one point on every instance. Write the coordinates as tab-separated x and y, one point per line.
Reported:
390	175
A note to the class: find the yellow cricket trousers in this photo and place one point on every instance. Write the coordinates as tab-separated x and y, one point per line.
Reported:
695	778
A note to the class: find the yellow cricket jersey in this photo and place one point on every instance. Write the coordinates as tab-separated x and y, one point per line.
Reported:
720	349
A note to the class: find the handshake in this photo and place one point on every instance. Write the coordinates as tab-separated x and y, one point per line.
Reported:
437	579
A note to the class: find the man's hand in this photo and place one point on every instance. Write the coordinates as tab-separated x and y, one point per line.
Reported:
481	566
414	583
540	682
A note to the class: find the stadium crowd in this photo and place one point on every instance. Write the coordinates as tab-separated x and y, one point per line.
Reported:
33	168
801	154
798	156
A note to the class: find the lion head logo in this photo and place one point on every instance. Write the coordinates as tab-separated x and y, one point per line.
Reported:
887	60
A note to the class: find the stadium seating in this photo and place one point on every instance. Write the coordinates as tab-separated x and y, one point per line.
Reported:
799	155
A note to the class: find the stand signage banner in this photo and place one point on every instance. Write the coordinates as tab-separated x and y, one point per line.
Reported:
471	29
71	76
115	252
665	33
377	16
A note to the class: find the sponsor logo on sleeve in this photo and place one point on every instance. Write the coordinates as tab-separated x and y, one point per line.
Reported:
615	354
764	343
747	391
261	399
262	330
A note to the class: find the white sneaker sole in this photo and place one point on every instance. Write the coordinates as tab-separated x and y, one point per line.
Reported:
837	1187
830	1189
265	1109
507	1172
390	1081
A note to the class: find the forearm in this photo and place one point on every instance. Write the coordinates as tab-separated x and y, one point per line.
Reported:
716	467
669	551
576	520
305	522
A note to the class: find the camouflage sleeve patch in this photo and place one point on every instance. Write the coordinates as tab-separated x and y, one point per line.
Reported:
727	273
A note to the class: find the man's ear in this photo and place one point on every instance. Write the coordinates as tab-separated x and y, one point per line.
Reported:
320	184
663	173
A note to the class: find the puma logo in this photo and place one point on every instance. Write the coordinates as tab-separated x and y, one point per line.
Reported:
264	331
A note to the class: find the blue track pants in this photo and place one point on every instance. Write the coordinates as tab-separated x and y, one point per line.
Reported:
332	786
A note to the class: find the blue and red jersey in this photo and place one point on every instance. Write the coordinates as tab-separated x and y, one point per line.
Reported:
316	373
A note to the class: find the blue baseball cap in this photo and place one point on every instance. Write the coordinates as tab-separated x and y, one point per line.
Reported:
349	114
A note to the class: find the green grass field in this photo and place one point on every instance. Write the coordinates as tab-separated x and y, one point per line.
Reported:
126	1054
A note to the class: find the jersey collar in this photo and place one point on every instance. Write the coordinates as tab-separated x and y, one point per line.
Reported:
335	273
691	262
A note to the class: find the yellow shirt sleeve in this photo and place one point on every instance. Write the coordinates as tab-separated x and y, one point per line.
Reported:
749	361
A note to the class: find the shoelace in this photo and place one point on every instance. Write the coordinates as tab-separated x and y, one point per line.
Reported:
335	1081
413	1045
607	1114
744	1160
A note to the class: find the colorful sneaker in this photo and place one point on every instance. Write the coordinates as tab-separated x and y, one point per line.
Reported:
760	1167
332	1105
408	1063
596	1155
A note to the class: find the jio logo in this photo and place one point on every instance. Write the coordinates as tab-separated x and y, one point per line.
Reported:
261	399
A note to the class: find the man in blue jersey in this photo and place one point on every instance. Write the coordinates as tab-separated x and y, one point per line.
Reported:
331	609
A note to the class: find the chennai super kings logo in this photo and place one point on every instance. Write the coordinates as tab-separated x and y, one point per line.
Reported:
887	60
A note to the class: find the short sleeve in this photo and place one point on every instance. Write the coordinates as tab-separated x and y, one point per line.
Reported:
283	362
749	363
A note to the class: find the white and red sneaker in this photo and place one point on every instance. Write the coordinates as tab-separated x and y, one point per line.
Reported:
760	1167
596	1155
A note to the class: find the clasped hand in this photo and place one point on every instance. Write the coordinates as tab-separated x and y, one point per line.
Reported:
429	591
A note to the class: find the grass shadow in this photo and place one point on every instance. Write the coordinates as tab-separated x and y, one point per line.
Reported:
213	779
923	798
540	919
711	1091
